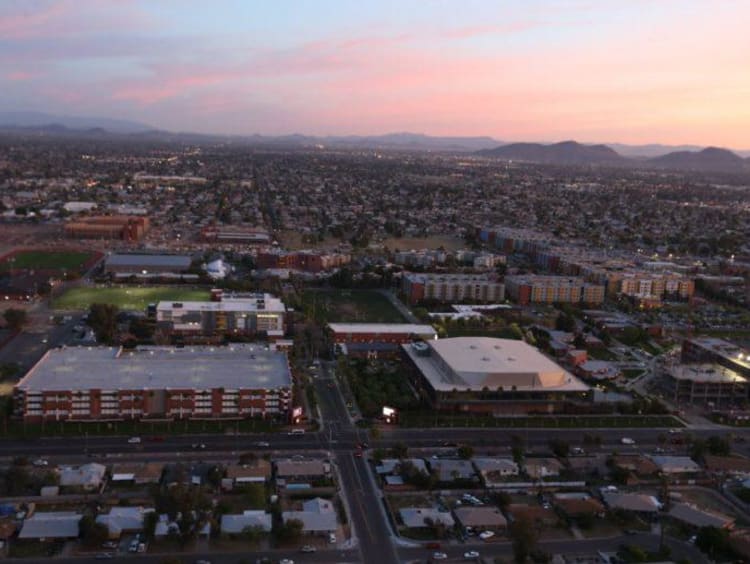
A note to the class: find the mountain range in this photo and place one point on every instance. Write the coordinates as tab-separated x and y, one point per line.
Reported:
684	157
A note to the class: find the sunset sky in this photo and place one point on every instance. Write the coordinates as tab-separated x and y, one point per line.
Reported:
635	71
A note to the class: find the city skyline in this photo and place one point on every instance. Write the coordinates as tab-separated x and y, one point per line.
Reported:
667	72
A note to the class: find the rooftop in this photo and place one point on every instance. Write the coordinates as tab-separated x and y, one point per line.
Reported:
479	362
110	368
711	373
259	302
174	261
383	328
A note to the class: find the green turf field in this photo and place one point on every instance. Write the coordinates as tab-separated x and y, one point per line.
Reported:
47	260
352	306
135	298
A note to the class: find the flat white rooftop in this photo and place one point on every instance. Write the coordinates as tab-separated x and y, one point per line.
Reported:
383	328
256	304
477	362
706	373
155	368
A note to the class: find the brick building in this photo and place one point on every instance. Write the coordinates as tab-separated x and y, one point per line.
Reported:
123	227
307	261
105	383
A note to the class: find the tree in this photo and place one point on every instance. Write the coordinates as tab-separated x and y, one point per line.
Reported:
518	449
15	318
524	536
718	446
150	520
290	531
560	448
565	322
253	534
103	320
466	452
93	533
714	542
399	450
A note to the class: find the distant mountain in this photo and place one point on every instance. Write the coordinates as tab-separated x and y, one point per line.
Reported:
44	120
709	159
565	153
649	151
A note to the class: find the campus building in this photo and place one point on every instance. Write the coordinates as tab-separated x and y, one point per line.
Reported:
719	351
241	314
123	227
447	288
493	376
105	383
146	264
709	385
236	234
306	261
374	340
535	289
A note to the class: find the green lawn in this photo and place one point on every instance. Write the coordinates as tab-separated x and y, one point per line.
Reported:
350	306
134	298
47	260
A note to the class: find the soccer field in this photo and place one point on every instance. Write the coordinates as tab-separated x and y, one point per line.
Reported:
134	298
46	260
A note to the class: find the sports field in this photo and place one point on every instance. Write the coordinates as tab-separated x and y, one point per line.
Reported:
133	298
352	306
72	261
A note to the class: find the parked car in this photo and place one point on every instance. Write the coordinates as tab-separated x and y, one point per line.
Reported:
471	555
331	538
439	556
40	462
308	548
134	440
486	535
627	441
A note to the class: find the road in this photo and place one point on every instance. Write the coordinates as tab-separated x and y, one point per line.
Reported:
364	503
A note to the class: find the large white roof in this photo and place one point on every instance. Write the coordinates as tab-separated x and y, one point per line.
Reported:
256	304
382	328
154	368
478	362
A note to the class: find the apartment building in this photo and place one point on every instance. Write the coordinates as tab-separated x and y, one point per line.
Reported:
534	289
105	383
448	288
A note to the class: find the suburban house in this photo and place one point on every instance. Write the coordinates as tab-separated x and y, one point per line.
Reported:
51	526
483	517
418	517
236	524
121	520
89	477
318	516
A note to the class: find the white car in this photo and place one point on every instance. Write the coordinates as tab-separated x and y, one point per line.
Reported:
331	538
439	556
486	535
40	462
471	555
134	440
627	441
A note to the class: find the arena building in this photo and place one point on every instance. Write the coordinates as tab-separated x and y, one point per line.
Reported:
488	375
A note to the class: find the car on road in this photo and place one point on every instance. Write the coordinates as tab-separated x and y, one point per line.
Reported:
486	535
471	555
627	441
286	561
307	548
263	444
358	453
40	462
202	562
363	444
296	432
134	440
104	556
439	556
199	446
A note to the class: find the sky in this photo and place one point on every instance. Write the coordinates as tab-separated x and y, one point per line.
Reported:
631	71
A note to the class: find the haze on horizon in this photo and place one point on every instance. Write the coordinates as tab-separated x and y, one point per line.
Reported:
642	71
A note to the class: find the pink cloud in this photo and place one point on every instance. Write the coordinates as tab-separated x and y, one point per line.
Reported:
18	76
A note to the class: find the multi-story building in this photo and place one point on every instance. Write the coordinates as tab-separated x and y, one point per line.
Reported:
104	383
718	351
306	261
710	385
145	264
448	288
528	289
487	375
236	234
243	314
376	339
124	227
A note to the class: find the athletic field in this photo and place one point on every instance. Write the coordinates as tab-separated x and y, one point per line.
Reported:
72	261
133	298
